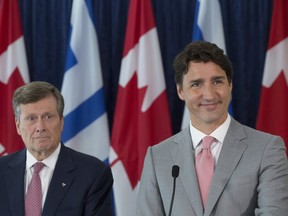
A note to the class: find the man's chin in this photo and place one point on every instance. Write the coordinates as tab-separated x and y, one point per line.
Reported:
42	138
210	118
41	145
213	118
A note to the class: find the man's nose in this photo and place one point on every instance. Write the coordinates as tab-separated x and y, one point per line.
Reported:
208	91
40	126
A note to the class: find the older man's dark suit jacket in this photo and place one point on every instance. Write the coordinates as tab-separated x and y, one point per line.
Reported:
81	185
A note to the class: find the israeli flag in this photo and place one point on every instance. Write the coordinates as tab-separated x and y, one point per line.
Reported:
85	118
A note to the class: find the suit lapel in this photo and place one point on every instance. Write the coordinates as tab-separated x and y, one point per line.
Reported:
183	154
60	182
230	156
15	184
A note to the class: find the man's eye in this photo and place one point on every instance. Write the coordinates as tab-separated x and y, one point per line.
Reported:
30	118
195	84
218	81
47	117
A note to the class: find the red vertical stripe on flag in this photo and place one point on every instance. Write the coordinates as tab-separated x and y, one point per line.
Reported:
140	21
273	115
279	23
13	72
10	26
141	116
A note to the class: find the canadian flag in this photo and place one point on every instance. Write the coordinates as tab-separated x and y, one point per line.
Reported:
13	72
273	108
141	116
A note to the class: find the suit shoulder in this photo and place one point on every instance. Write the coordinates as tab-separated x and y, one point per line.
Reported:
82	158
260	135
9	157
241	131
170	140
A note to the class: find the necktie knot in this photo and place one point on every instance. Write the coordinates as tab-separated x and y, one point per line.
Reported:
207	142
38	167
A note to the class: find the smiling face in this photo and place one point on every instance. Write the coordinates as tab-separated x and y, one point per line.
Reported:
40	127
207	94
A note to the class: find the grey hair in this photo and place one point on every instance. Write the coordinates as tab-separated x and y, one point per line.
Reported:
35	91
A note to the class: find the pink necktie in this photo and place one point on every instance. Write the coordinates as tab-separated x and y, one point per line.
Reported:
205	167
33	199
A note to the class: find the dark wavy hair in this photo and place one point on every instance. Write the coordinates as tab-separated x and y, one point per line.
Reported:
200	51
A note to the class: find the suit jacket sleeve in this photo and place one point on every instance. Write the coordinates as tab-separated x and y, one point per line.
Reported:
100	193
273	180
149	200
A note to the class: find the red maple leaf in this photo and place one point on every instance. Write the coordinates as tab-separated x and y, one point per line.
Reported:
134	130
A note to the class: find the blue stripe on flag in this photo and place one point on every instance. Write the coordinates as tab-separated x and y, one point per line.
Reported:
90	11
84	114
74	124
197	33
70	58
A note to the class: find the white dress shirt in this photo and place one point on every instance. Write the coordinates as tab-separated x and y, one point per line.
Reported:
45	174
219	134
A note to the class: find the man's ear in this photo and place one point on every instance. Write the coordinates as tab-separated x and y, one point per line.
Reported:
17	123
180	92
231	86
62	124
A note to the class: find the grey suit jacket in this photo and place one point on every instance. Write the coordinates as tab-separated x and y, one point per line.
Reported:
251	177
81	185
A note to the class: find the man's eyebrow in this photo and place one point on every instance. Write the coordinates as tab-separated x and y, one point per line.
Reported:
195	80
218	77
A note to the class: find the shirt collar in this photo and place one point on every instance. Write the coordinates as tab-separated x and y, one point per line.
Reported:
49	162
219	133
